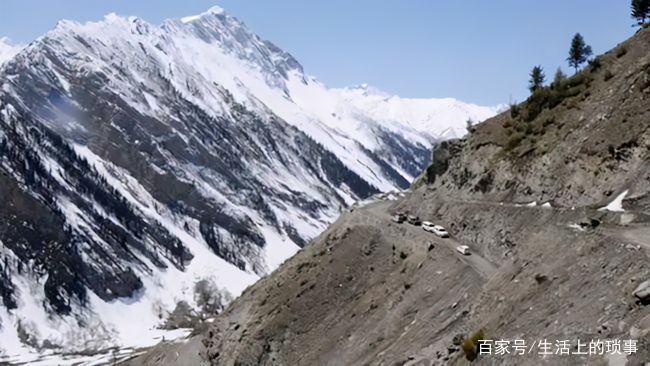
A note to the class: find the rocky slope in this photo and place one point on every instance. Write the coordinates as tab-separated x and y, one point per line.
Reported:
373	292
551	197
583	142
150	169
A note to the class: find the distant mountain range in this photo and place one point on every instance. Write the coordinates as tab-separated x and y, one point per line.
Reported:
439	119
138	160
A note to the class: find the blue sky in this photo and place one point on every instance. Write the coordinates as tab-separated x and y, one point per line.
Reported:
477	51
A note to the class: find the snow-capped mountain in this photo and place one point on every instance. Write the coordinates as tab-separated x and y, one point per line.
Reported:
8	49
437	118
137	161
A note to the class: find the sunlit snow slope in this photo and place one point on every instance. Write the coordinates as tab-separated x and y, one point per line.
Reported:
436	118
137	160
8	50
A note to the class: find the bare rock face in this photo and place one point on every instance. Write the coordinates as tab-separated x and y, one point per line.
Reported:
440	159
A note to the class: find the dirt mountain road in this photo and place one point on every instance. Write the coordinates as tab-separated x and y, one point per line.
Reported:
378	214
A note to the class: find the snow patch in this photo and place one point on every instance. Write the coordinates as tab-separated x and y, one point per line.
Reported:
617	204
190	18
216	10
576	227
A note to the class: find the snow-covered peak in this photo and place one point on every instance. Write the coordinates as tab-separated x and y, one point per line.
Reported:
113	26
440	118
215	49
8	50
216	10
367	90
215	27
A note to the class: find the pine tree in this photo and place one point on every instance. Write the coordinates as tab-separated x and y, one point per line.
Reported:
579	52
640	10
537	78
559	78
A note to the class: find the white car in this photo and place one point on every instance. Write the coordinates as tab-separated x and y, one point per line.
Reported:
427	226
440	231
463	249
436	229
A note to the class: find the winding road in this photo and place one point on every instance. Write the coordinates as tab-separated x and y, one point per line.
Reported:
377	214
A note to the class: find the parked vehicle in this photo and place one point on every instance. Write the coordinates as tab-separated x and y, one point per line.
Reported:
399	218
463	249
414	220
427	226
436	229
440	231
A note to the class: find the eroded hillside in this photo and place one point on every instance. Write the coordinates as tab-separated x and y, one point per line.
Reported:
551	198
577	143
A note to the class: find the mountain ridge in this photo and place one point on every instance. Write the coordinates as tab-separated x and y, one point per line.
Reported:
147	163
423	115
